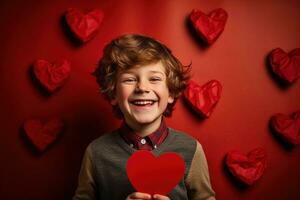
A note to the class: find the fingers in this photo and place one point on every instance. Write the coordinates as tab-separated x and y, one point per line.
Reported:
139	196
143	196
160	197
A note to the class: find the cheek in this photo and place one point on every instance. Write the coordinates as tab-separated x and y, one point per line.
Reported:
163	92
124	93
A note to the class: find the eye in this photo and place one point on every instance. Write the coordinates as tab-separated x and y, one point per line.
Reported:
129	80
155	79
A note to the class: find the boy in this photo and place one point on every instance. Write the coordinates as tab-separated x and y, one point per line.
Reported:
142	80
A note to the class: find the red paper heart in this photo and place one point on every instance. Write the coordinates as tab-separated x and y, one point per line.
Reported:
209	27
154	175
84	26
204	98
285	66
287	127
52	76
247	168
43	133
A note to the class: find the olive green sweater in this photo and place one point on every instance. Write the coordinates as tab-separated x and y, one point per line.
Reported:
103	171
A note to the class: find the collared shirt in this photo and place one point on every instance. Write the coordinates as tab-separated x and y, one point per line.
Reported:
149	142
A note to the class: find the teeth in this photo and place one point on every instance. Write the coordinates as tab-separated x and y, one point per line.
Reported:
145	102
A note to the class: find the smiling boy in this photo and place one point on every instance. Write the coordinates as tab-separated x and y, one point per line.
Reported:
142	95
142	80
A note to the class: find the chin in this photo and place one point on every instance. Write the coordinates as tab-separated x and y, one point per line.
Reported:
146	119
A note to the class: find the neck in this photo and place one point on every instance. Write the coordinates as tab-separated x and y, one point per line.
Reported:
146	129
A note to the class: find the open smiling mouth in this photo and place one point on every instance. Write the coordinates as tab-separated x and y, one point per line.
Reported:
143	102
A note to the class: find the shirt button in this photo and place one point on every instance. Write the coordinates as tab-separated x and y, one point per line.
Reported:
155	146
131	145
143	141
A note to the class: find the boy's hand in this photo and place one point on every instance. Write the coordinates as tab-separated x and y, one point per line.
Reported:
160	197
138	196
141	196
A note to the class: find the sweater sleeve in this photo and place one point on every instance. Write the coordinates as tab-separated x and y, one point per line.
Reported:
198	181
86	189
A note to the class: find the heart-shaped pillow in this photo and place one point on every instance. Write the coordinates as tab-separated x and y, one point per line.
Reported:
43	133
209	27
84	26
52	75
287	127
155	175
203	98
247	168
285	65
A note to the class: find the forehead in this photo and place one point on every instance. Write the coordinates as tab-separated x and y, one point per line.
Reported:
152	68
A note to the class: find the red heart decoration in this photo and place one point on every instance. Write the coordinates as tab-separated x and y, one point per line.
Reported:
209	27
52	76
84	26
204	98
285	66
287	127
155	175
43	133
247	168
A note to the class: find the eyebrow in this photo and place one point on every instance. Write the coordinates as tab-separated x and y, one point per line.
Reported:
157	72
152	71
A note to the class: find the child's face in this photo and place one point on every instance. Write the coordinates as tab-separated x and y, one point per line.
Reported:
142	94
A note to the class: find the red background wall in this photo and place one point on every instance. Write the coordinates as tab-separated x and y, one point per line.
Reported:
34	29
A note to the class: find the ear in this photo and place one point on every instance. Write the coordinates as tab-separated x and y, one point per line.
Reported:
113	102
170	99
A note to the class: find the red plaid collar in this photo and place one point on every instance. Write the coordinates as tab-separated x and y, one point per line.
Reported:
149	142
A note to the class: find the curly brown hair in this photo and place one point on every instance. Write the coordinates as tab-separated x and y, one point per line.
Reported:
131	50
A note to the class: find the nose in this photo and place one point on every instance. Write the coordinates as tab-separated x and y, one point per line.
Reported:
142	87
